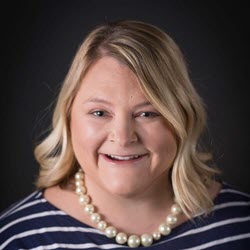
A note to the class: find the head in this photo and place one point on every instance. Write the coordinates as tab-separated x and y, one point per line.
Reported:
162	76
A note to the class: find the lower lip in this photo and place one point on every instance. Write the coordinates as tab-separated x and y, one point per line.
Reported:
131	161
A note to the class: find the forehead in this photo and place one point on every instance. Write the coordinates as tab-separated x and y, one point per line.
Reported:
108	76
108	67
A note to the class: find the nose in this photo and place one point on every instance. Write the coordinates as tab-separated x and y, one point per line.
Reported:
123	131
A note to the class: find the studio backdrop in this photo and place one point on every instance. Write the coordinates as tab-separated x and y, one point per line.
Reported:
40	42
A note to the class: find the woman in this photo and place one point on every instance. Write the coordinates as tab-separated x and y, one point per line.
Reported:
121	165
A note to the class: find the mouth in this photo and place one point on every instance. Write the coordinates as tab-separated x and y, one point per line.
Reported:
123	159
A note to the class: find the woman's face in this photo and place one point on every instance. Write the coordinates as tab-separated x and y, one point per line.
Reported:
120	140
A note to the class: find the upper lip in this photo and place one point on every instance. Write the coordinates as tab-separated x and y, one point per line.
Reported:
125	155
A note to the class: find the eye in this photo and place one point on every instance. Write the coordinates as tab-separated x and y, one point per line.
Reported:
98	113
148	114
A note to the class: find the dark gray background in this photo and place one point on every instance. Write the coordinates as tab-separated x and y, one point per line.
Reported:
41	37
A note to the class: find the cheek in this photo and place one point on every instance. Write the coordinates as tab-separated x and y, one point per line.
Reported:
162	143
165	152
167	144
85	140
83	130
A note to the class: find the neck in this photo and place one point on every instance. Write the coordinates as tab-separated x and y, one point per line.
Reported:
153	203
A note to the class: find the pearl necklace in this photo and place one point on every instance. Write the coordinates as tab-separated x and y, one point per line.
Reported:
110	231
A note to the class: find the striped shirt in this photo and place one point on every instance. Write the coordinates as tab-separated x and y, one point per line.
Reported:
34	223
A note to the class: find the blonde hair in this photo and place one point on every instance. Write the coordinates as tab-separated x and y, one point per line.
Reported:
160	67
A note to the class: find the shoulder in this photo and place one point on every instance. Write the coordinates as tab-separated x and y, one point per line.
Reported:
232	207
228	224
232	199
22	207
24	218
35	223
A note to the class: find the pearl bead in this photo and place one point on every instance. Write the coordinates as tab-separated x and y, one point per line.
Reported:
79	176
110	232
121	238
89	209
156	235
146	240
176	209
134	241
81	190
84	199
164	229
171	219
95	217
79	183
102	225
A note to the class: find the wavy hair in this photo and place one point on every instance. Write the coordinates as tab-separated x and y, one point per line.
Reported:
159	64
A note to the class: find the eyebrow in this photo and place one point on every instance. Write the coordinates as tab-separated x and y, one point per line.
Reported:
100	100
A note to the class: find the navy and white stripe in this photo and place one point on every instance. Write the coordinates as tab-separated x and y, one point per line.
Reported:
34	223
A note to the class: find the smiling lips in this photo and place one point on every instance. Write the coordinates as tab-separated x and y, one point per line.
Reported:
127	158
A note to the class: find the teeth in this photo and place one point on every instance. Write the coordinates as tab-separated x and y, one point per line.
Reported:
124	158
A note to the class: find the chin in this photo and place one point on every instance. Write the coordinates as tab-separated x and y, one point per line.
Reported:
122	188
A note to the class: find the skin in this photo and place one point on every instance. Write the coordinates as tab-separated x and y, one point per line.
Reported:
111	116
